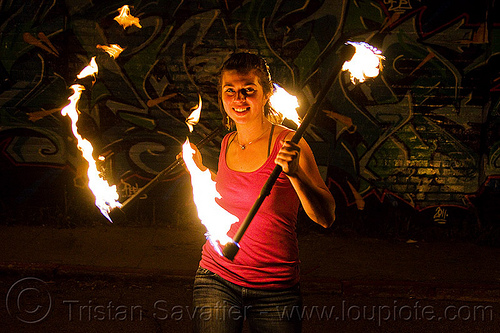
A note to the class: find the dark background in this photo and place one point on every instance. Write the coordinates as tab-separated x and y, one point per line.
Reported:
417	148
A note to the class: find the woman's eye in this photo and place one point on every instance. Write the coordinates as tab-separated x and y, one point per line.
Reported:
249	90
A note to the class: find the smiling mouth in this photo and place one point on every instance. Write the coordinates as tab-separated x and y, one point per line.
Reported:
241	109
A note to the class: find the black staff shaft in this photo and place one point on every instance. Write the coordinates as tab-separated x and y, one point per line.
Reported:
231	249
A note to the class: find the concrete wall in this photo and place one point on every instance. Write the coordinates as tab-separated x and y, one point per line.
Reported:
415	149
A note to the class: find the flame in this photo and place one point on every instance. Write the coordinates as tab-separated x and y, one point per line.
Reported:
89	70
105	196
365	63
114	50
285	103
194	117
217	220
125	19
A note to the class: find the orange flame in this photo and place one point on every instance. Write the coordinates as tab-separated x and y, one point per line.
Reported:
365	63
285	103
194	117
114	50
89	70
125	19
105	196
217	220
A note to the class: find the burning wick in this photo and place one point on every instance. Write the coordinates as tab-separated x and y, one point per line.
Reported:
125	19
105	196
285	103
365	63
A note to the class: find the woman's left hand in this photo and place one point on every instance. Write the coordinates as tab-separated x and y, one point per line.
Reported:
298	163
288	158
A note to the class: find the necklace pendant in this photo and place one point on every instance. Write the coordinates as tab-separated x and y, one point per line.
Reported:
243	147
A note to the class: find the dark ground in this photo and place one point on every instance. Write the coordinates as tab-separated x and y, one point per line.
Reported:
95	304
138	279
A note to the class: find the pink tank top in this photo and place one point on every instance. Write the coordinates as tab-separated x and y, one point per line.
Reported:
268	257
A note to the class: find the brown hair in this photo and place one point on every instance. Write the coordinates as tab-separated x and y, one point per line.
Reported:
245	62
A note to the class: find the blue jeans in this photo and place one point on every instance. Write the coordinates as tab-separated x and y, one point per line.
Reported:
222	306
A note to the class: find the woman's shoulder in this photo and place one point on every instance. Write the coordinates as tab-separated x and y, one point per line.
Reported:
280	133
283	132
228	136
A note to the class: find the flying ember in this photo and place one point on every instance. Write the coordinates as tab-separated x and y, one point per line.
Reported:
105	196
125	19
365	63
285	104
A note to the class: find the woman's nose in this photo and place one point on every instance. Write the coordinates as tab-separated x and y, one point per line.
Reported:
240	95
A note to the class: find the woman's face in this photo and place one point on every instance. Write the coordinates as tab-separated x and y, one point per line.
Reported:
243	96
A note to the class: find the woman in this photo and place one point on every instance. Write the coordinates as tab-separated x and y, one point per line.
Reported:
261	284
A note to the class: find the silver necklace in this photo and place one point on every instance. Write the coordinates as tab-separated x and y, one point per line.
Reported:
245	145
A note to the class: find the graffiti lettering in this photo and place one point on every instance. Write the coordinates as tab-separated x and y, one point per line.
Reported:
129	190
398	5
441	215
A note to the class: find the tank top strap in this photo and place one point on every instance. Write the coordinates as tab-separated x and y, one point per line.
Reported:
270	140
225	142
281	136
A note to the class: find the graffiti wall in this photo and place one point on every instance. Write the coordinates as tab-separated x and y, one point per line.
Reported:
415	149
